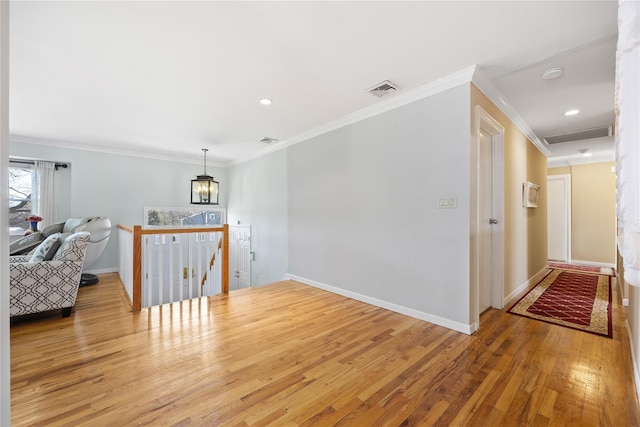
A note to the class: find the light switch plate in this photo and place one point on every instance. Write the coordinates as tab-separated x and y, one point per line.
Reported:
447	202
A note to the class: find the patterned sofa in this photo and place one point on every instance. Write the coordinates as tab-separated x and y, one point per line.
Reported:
48	279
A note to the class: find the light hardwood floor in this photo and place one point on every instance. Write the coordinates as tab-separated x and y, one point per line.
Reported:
289	354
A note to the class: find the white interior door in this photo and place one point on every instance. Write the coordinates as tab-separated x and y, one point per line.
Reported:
488	265
239	257
559	217
485	212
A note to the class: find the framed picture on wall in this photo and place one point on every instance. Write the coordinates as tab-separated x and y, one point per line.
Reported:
530	195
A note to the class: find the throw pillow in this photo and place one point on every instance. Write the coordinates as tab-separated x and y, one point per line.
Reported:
52	250
46	249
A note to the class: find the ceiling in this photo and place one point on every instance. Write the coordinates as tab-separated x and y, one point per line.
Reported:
170	78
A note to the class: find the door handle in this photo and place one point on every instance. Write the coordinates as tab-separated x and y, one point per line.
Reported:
493	221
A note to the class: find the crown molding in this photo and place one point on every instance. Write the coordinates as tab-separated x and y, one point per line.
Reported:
109	150
398	100
491	92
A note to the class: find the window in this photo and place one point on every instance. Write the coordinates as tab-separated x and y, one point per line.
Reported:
21	180
184	217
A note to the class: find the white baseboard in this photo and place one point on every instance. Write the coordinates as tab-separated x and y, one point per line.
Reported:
474	327
634	361
102	271
440	321
520	290
594	264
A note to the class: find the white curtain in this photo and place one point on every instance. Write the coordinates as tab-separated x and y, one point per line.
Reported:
42	201
627	105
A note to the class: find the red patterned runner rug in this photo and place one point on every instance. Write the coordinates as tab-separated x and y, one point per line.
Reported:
585	268
576	300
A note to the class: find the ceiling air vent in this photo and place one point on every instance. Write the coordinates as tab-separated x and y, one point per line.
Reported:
268	140
382	89
580	135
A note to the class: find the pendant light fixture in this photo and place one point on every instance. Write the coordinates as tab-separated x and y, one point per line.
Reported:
204	190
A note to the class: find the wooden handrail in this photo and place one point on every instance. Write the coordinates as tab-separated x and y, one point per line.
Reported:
182	230
138	232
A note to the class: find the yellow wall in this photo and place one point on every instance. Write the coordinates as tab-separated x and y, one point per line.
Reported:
563	170
537	217
525	229
593	211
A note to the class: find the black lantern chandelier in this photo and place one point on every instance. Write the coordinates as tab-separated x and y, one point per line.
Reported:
204	190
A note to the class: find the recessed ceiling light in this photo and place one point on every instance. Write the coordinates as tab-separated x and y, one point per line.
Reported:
585	152
552	73
266	101
571	112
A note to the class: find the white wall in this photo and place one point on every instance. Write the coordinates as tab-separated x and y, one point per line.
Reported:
258	197
363	214
5	357
118	186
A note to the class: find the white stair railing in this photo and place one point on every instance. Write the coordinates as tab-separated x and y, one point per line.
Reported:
169	265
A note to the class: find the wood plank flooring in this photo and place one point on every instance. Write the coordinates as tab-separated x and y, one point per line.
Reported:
288	354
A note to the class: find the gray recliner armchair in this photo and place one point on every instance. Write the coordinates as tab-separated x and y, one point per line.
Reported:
99	229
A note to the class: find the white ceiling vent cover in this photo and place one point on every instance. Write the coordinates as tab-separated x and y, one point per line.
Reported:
382	89
268	140
580	135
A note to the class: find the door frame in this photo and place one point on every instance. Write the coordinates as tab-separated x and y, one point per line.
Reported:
484	122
